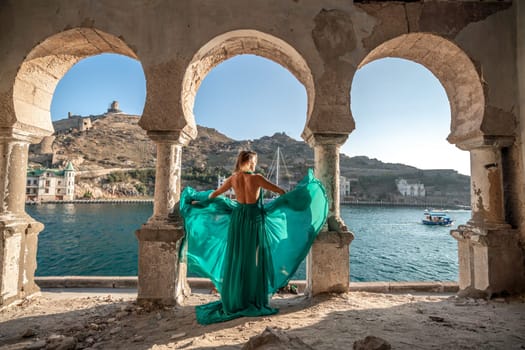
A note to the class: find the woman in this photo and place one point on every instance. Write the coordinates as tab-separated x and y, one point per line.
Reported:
247	249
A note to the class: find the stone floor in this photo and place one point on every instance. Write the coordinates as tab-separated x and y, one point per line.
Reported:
109	319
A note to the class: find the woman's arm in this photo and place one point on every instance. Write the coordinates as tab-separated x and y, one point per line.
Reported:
261	181
225	187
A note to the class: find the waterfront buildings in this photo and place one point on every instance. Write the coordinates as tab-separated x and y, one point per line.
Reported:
344	186
410	189
50	184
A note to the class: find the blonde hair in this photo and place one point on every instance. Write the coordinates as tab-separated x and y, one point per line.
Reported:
243	157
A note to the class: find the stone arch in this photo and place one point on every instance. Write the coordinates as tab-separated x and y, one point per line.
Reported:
239	42
27	120
452	67
47	63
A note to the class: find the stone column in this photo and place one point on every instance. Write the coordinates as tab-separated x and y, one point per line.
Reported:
328	264
18	231
488	248
487	187
162	279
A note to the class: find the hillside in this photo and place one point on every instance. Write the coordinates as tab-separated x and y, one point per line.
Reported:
116	143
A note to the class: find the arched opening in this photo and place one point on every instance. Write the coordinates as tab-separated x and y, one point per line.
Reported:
234	43
48	62
248	96
61	75
270	57
454	70
454	85
403	114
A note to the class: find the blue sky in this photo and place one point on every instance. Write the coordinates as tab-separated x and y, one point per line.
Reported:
401	111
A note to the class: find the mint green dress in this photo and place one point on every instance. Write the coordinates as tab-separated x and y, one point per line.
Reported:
249	251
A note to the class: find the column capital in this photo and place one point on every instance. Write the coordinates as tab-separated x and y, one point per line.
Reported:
485	141
180	137
482	234
19	135
317	139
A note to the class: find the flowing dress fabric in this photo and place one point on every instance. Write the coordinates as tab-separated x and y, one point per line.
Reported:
249	250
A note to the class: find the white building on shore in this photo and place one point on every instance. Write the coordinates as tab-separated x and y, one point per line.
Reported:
344	187
50	184
410	189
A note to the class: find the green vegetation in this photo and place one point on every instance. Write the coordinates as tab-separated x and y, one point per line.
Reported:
143	180
205	177
118	176
141	188
145	176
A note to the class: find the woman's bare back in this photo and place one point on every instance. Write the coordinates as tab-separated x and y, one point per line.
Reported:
246	187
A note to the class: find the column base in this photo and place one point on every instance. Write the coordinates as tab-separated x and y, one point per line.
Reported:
490	261
328	264
18	247
161	277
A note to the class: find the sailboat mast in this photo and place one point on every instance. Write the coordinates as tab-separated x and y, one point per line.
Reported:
277	168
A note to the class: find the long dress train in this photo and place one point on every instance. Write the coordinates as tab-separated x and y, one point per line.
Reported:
249	251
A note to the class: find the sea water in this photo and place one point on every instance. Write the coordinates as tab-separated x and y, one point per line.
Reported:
390	243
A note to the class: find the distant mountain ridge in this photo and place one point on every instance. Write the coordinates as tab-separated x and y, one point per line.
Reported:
117	142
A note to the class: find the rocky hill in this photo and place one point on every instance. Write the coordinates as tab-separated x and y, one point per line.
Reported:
116	158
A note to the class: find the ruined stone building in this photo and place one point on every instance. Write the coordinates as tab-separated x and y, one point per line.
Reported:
114	108
50	184
72	123
82	123
476	49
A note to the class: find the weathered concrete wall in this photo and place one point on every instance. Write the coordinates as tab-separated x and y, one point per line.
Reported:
495	57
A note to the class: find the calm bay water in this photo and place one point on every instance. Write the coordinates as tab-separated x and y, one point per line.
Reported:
390	244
